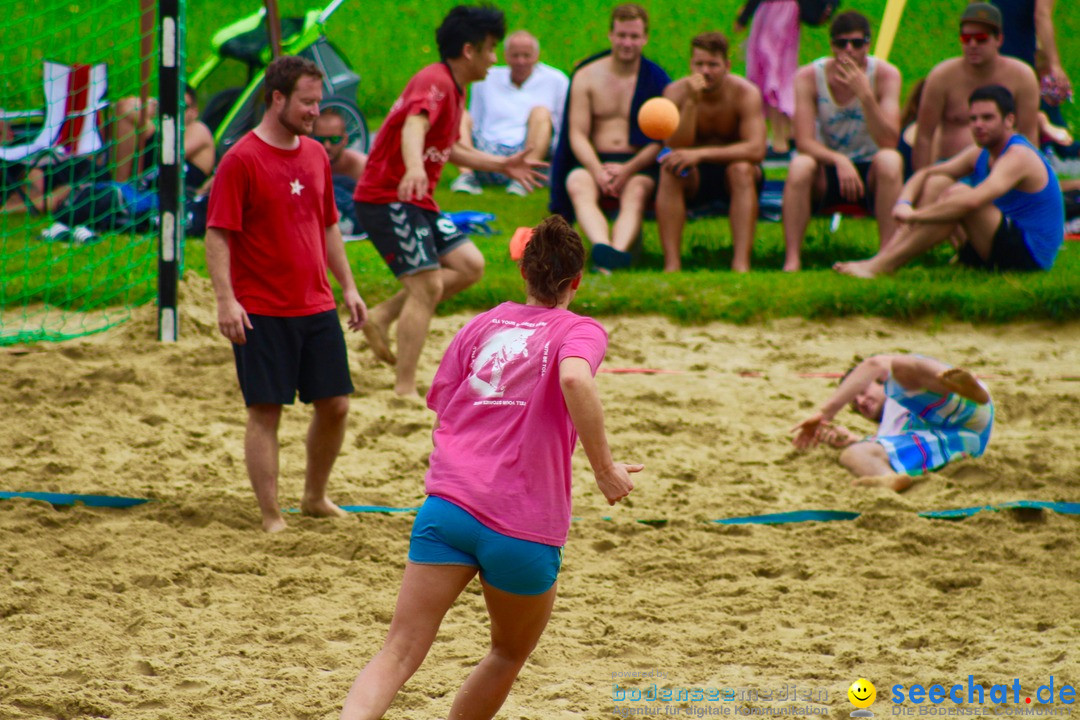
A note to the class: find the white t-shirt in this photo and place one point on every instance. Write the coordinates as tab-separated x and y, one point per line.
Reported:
500	110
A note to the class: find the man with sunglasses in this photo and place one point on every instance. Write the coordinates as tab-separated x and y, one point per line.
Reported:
346	165
1012	215
847	123
942	129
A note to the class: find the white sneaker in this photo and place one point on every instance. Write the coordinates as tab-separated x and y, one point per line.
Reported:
516	188
83	235
466	183
57	232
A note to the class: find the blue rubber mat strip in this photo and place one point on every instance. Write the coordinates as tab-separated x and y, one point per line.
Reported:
790	517
1064	508
69	499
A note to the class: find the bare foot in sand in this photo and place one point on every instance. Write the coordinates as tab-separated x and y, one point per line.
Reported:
964	384
859	269
321	507
893	481
274	523
377	332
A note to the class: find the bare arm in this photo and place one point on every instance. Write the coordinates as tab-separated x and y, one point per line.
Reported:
1027	104
805	121
961	165
883	111
232	318
872	369
931	110
680	93
339	266
1010	170
580	125
587	414
414	183
1044	32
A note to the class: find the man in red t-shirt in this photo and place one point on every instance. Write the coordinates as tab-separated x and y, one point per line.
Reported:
394	203
271	235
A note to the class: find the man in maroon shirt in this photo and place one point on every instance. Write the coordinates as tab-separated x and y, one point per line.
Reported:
394	203
271	235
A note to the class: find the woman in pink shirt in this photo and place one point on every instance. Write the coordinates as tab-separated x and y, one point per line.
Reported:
513	392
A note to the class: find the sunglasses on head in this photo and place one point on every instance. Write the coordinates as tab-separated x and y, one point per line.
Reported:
978	37
332	139
856	43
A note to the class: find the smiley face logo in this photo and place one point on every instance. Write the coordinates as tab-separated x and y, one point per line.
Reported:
862	693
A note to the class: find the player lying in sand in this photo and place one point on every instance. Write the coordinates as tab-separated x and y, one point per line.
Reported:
929	414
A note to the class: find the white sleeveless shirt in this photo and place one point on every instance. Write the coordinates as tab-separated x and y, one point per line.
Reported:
843	128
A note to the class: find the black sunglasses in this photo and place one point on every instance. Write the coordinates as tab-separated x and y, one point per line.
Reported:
332	139
856	43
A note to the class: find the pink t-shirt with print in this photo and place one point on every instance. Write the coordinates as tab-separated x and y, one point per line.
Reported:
504	437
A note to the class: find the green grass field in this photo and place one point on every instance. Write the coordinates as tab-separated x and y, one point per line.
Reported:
372	35
387	42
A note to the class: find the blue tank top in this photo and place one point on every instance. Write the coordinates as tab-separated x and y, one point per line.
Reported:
1040	215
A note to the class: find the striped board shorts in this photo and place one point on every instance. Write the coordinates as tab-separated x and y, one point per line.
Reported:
941	428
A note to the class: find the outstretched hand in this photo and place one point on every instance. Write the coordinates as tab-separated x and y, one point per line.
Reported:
806	432
614	481
525	171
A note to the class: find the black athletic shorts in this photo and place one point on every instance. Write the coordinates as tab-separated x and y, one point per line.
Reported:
714	184
409	238
284	355
833	197
1008	251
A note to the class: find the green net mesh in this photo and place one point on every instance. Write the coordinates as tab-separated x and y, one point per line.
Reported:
78	231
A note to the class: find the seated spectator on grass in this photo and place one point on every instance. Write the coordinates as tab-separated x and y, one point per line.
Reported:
929	414
1012	215
519	106
715	152
40	183
346	165
603	158
847	124
136	151
943	113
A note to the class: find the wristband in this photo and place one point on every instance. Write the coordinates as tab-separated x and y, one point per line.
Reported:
903	202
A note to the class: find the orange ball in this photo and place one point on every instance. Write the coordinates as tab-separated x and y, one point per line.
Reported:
658	118
518	241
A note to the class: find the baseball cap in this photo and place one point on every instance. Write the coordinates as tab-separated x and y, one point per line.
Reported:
985	13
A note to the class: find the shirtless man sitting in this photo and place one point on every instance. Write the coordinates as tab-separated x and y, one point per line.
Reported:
716	150
600	134
943	129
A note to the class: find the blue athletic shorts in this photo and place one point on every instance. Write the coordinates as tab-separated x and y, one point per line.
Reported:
445	534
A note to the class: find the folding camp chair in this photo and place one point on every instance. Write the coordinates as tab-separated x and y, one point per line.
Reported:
74	94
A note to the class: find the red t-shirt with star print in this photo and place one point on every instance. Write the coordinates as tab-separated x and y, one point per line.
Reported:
275	206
